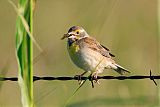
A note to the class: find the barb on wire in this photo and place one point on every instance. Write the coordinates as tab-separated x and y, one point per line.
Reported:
152	78
66	78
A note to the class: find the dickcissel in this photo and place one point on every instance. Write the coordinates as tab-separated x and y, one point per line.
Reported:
88	54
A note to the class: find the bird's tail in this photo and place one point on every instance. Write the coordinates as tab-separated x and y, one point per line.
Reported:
119	69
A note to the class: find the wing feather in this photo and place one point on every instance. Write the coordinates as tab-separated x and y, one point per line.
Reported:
96	46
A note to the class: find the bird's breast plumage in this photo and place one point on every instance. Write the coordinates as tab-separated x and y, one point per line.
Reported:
86	58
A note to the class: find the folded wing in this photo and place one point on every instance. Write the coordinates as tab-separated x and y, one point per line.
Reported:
96	46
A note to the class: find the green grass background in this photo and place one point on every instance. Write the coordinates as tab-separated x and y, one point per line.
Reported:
128	27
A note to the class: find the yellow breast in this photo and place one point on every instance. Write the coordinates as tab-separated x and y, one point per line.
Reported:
74	48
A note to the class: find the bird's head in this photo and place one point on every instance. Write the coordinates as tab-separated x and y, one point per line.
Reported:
75	32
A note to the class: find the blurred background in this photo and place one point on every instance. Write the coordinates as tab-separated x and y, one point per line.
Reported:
128	27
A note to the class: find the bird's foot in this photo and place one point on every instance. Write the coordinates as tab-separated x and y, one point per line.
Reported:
80	81
94	79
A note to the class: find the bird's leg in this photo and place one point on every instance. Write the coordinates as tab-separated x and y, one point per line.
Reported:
91	79
94	77
79	77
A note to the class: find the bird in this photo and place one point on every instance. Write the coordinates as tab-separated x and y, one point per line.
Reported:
88	54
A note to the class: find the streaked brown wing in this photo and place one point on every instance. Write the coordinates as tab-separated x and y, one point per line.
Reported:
96	46
108	50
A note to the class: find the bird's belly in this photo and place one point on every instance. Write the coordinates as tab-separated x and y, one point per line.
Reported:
88	60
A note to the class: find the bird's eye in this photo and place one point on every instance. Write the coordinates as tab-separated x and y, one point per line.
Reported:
77	32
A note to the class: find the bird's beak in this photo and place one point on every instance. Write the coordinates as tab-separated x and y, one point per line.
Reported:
65	36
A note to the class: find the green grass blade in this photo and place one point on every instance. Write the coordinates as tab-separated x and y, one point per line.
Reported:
74	93
24	50
25	24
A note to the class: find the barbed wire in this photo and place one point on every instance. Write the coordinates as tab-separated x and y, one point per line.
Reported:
66	78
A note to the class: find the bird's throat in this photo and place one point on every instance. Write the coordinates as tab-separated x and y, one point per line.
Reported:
73	46
71	41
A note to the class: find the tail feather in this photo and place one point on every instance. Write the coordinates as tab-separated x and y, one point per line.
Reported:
119	69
